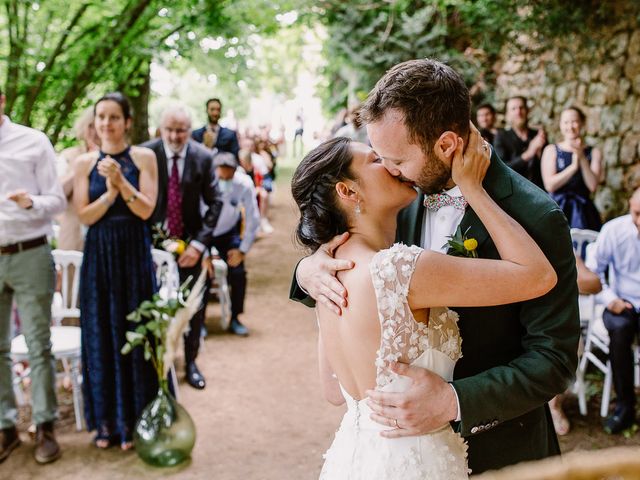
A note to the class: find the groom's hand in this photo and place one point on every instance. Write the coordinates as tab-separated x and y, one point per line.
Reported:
427	405
316	275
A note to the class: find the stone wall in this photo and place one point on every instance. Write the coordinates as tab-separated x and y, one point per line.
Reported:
601	75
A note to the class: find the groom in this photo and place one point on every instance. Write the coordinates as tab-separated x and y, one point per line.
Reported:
515	357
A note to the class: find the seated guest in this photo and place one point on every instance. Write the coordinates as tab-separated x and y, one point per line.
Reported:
486	120
238	193
214	136
519	146
618	254
572	170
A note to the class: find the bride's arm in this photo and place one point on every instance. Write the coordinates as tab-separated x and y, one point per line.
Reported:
523	273
330	385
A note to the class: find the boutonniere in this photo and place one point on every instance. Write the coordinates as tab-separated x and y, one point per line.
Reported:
461	245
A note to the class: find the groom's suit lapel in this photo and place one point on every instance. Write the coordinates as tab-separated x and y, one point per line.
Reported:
499	187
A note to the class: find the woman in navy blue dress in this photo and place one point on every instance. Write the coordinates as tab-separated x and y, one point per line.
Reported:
114	193
571	172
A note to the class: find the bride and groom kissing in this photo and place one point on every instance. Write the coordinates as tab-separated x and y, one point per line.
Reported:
426	385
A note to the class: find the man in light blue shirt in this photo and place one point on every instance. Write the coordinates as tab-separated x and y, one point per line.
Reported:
617	253
238	193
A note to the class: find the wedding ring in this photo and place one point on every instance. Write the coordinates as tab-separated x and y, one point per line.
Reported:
485	147
396	422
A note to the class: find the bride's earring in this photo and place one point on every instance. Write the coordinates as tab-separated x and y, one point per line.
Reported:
358	210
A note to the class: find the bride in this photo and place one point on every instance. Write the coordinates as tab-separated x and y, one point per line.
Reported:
396	294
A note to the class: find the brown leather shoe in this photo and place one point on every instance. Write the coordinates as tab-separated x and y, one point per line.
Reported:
47	448
9	441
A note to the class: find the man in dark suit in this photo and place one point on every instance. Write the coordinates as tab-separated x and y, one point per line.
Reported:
519	146
213	135
515	357
185	179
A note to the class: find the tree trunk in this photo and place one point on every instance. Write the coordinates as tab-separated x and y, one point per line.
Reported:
139	93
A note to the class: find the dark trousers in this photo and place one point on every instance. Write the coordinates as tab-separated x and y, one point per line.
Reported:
192	337
623	329
237	276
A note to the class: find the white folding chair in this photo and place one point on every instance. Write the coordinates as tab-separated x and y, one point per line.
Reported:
65	304
65	341
65	345
597	338
167	274
589	317
220	287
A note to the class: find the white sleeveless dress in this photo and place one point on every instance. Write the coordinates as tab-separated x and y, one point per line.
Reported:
358	452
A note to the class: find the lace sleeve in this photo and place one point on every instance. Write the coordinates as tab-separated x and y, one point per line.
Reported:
401	335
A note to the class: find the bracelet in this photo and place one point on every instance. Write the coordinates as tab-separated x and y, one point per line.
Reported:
104	198
133	197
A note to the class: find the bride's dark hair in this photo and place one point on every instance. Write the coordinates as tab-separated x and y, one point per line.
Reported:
314	189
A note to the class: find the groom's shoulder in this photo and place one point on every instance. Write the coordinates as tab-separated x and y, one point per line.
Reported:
526	197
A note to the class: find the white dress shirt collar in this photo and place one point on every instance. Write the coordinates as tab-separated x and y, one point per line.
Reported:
170	153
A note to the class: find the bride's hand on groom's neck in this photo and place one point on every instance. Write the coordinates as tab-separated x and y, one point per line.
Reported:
469	166
316	275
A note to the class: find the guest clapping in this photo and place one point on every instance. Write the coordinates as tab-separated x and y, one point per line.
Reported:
114	193
30	196
71	236
519	146
571	171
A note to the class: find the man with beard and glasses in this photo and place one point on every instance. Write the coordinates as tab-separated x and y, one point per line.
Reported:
214	136
515	357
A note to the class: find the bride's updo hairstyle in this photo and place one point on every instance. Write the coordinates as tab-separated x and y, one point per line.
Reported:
314	189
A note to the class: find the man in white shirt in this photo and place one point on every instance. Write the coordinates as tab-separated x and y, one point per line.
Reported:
617	252
30	196
238	193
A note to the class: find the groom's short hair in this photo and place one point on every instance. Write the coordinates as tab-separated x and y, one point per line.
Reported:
431	96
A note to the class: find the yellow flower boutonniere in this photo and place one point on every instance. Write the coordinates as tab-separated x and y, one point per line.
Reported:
461	245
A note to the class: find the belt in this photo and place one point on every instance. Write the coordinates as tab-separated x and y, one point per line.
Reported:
22	246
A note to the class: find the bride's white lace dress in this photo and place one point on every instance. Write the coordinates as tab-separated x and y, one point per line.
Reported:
358	451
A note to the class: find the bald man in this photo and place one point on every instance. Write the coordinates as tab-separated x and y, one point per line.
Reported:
618	253
185	180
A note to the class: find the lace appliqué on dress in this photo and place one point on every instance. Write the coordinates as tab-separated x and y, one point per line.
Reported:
404	339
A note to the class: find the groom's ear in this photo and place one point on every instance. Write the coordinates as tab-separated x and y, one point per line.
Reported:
446	145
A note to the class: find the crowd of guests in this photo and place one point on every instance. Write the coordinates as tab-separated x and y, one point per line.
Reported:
211	188
206	187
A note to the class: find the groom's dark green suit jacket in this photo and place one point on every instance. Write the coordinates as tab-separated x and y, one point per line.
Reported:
516	357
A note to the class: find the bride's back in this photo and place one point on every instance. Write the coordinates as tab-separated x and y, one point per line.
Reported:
352	340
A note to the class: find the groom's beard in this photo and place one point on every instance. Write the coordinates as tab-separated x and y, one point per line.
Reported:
435	175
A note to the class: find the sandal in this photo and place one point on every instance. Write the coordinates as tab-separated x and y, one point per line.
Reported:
103	439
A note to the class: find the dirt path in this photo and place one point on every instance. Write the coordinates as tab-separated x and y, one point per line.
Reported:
261	416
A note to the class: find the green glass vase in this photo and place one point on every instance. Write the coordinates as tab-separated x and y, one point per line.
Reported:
165	433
